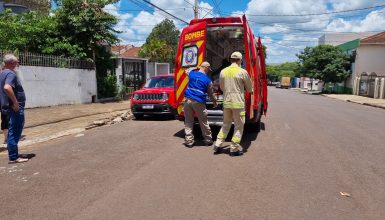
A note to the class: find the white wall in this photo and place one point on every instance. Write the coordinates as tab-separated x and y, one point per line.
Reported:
154	69
340	38
47	86
370	58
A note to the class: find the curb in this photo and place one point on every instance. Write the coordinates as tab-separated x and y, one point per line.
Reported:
372	105
60	134
361	103
75	117
51	137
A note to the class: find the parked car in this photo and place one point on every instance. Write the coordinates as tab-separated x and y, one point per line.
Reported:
278	85
156	97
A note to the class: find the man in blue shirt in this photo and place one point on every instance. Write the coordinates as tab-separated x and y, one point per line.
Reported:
199	85
12	99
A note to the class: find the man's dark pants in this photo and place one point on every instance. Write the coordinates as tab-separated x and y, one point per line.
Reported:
16	124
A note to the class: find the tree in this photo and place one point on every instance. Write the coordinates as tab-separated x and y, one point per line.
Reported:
164	37
76	29
325	62
275	72
85	24
156	51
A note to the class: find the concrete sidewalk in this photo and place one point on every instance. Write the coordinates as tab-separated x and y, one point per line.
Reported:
43	124
379	103
42	116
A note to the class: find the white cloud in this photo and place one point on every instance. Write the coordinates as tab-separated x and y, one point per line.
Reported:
374	21
287	7
339	5
273	29
283	35
287	35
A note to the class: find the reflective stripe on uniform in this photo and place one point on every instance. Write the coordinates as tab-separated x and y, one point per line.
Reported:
221	135
236	140
196	90
242	113
231	72
233	104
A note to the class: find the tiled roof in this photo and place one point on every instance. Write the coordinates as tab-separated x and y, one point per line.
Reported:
374	39
133	52
126	51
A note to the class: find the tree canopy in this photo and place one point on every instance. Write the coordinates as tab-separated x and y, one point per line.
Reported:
162	43
325	62
275	72
75	29
85	24
78	28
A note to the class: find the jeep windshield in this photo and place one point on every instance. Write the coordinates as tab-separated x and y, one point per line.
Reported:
160	82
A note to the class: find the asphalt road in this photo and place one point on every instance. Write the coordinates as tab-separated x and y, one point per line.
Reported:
311	149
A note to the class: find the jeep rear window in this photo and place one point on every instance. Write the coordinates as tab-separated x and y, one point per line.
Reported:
160	82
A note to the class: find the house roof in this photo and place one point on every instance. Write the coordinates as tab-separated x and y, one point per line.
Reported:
375	39
126	51
133	52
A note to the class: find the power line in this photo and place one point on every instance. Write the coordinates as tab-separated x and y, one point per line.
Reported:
326	13
310	14
142	5
283	45
304	30
166	12
128	10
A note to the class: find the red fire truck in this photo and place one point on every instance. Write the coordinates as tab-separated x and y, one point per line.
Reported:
213	40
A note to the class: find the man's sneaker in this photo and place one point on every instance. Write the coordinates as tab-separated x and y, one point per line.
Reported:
216	149
189	145
18	160
236	153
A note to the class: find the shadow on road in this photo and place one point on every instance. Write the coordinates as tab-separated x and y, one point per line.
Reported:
249	135
3	149
155	118
28	156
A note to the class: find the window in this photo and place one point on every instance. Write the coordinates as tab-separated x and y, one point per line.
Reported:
160	82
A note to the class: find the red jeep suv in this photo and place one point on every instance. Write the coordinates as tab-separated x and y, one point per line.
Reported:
156	97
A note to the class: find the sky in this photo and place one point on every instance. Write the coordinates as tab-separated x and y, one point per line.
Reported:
285	26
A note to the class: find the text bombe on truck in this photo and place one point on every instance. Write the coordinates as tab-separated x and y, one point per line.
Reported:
213	40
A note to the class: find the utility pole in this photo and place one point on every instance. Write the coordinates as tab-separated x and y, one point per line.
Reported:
196	9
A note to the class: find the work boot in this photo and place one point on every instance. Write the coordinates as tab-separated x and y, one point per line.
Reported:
236	153
18	160
189	145
217	149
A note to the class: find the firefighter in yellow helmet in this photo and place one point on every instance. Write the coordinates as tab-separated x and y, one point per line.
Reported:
233	80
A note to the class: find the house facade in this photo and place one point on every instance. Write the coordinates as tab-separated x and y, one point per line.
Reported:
368	78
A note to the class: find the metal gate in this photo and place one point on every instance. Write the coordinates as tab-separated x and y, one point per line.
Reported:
134	74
